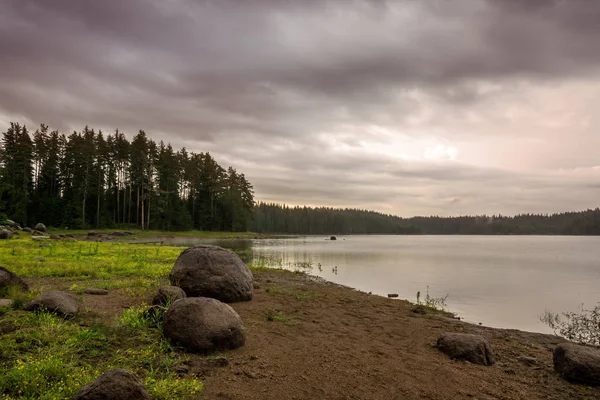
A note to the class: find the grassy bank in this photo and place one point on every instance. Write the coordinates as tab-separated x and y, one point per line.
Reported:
45	357
157	233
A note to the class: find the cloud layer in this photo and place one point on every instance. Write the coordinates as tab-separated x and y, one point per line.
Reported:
407	107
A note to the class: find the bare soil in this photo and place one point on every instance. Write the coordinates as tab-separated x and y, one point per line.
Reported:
325	341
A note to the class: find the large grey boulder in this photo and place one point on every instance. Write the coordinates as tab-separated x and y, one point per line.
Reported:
212	271
204	325
8	279
577	363
166	295
54	301
40	227
116	384
5	234
463	346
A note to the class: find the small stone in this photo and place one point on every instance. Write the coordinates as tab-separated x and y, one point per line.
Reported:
255	285
529	361
5	303
419	310
96	292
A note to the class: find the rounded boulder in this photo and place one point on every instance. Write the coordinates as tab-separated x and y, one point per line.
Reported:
8	279
212	271
204	325
462	346
116	384
40	227
577	363
54	301
166	295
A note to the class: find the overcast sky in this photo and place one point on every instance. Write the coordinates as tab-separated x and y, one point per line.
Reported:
407	107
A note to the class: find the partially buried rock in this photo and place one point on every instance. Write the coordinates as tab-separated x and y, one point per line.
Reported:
5	234
40	227
577	363
54	301
463	346
8	279
212	271
116	384
204	325
96	292
166	295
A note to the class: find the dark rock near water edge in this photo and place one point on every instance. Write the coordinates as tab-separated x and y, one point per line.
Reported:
333	238
167	295
54	301
464	346
212	271
8	279
204	325
577	363
116	384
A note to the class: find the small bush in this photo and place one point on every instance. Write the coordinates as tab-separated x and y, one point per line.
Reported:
582	327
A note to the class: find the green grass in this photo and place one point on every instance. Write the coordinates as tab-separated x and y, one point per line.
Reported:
83	260
277	316
46	357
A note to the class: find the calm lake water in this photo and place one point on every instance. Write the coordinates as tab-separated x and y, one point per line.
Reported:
500	281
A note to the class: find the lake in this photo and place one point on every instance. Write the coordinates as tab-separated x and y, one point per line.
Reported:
499	281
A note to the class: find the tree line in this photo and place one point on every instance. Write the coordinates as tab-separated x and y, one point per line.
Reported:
276	218
91	180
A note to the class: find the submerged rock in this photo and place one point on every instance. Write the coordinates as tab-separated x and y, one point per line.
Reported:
54	301
463	346
204	325
212	271
116	384
577	363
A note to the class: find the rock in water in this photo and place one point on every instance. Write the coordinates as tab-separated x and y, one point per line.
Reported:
59	302
116	384
40	227
577	363
204	325
463	346
212	271
333	238
167	295
7	279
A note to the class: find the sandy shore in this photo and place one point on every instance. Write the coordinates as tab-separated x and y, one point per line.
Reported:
309	339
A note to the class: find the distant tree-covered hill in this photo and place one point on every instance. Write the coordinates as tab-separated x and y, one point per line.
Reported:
275	218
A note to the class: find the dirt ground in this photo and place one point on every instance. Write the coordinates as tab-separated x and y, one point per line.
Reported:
325	341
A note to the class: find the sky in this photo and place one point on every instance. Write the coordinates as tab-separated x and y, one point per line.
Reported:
428	107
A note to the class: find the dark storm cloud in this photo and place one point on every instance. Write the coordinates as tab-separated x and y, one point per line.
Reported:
289	91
